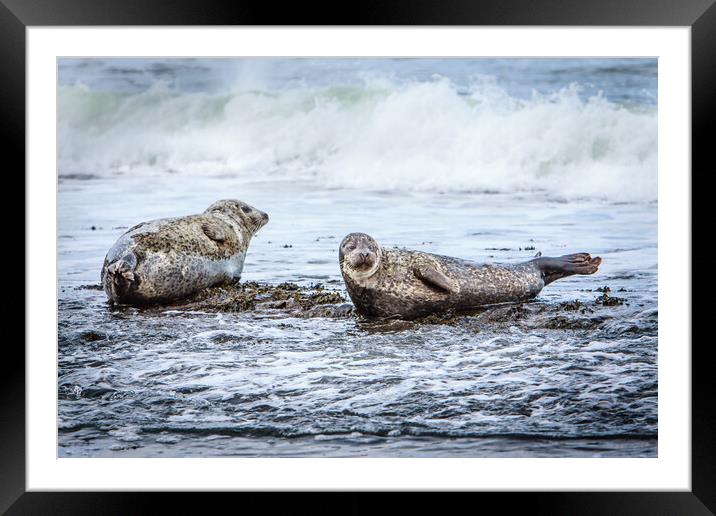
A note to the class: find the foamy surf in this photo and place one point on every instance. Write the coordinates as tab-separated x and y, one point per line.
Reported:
380	135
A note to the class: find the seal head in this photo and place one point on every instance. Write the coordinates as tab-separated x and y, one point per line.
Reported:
359	255
245	215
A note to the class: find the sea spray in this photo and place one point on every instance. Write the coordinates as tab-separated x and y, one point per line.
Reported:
381	135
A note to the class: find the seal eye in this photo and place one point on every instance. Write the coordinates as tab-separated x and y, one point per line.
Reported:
350	246
246	209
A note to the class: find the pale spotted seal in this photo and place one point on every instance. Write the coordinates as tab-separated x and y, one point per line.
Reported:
408	284
169	259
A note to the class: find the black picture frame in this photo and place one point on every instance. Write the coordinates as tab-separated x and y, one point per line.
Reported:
700	15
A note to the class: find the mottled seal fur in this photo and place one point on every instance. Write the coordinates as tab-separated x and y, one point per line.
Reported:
169	259
407	284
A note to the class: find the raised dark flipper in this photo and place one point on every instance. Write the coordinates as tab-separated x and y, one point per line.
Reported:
118	277
560	267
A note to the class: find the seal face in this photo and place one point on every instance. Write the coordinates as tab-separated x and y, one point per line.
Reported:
168	259
407	284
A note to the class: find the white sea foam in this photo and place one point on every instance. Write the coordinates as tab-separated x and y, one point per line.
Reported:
380	135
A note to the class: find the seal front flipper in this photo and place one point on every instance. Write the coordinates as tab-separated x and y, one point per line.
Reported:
435	279
214	231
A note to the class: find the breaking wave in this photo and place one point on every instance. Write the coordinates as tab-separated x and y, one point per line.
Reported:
381	135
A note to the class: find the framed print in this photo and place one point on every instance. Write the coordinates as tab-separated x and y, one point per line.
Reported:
414	253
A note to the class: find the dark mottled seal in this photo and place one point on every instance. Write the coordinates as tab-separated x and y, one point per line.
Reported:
168	259
408	284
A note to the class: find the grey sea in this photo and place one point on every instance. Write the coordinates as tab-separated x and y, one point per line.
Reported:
493	160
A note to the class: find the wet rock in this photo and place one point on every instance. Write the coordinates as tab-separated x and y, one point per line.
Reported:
333	311
312	301
571	305
448	317
607	300
560	322
316	300
90	287
575	306
503	314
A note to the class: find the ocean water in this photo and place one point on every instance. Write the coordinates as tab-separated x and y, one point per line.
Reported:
485	159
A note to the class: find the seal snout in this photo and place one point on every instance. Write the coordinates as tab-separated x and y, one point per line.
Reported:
255	216
263	218
362	260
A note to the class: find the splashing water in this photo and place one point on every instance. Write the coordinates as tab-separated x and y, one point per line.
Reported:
377	133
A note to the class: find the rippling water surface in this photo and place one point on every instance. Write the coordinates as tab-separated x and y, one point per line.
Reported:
549	378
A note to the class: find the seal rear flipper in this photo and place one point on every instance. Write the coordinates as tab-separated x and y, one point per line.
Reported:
435	279
120	271
553	269
119	277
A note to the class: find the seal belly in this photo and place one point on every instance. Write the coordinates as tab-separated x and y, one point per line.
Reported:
396	302
163	276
